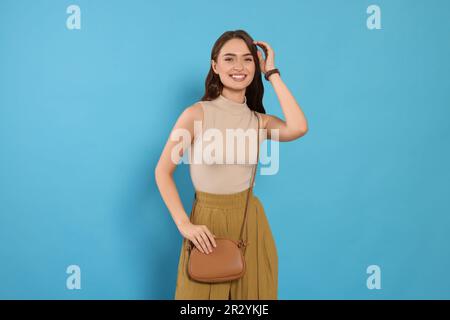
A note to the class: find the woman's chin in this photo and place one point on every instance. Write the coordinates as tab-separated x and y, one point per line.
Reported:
237	86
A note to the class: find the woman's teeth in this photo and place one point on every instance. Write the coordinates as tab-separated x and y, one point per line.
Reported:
238	77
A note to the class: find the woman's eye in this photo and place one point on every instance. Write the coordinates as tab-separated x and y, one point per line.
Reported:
229	59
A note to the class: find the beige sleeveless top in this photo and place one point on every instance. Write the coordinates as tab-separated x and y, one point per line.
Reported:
214	167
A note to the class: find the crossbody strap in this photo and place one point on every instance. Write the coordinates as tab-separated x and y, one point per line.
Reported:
241	240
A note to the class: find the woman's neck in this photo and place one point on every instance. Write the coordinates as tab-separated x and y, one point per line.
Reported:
236	96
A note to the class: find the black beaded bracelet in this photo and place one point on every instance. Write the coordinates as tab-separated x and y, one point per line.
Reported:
268	73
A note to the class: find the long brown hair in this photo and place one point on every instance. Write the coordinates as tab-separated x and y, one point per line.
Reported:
255	91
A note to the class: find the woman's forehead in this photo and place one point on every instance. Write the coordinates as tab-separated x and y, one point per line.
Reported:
235	47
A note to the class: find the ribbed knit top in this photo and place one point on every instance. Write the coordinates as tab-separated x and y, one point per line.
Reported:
222	170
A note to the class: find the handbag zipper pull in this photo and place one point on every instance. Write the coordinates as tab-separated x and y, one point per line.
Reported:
242	243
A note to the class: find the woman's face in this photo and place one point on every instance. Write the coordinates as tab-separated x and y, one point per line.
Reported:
235	65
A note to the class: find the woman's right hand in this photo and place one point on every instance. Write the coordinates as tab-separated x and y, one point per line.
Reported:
199	235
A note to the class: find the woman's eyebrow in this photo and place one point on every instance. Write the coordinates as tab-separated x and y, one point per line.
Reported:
233	54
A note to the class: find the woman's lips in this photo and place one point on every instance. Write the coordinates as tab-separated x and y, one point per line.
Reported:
238	77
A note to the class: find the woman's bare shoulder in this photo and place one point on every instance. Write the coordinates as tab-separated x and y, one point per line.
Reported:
193	112
264	118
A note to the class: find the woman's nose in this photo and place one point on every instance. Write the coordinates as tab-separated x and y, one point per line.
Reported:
238	66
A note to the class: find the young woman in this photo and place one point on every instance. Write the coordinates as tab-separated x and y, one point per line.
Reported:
233	100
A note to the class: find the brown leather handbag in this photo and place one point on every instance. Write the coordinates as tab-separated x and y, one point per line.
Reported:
226	262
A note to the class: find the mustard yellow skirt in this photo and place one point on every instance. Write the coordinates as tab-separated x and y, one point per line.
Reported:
223	214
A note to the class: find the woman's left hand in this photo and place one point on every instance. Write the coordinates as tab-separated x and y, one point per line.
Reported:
269	62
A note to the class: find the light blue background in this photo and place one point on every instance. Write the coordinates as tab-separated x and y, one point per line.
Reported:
84	115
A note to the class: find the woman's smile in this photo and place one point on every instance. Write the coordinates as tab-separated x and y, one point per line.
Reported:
238	77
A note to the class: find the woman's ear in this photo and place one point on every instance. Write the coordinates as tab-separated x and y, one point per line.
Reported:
213	66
